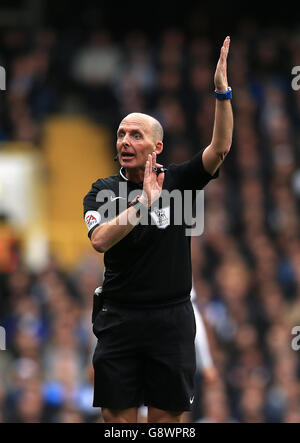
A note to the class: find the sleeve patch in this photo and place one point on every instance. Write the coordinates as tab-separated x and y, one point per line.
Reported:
92	218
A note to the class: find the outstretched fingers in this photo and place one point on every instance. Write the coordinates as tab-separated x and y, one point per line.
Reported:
152	158
225	47
147	176
160	179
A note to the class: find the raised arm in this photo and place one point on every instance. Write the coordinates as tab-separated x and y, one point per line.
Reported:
215	153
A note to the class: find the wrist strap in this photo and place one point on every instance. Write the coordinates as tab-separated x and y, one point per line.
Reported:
136	204
224	95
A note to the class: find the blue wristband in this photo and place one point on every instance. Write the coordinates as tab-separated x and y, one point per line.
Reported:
224	95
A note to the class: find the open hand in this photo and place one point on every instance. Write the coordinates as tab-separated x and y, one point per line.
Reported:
220	78
152	182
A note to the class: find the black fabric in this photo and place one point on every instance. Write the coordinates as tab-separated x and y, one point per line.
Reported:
97	305
145	356
150	266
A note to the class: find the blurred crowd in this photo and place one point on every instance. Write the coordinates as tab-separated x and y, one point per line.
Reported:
246	265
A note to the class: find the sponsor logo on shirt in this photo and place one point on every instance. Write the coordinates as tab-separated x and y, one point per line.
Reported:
112	199
92	218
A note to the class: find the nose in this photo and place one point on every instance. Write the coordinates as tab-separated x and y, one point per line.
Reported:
125	141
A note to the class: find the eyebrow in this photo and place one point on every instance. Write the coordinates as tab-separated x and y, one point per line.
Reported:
131	130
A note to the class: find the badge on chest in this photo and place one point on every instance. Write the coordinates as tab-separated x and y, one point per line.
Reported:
161	217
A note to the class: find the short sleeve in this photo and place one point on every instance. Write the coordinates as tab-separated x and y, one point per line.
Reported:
92	216
191	174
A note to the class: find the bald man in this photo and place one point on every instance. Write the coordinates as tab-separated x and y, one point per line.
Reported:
143	316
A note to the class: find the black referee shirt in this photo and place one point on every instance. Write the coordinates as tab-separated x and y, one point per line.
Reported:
151	266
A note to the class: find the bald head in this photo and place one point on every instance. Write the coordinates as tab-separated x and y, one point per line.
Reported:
156	127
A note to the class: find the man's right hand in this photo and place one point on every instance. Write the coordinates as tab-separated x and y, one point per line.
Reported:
108	234
152	182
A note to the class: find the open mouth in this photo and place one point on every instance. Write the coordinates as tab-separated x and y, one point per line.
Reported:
127	155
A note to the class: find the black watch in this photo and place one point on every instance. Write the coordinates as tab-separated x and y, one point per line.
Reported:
136	204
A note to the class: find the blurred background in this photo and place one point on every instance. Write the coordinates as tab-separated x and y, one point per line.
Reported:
73	71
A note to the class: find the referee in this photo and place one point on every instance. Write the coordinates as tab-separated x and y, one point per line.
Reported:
143	316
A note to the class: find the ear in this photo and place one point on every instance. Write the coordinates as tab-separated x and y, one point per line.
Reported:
158	147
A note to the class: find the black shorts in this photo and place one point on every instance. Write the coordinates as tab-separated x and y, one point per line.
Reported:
145	357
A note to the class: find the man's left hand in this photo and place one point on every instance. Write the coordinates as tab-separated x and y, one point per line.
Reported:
220	78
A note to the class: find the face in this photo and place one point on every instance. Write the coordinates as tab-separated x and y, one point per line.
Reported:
134	142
